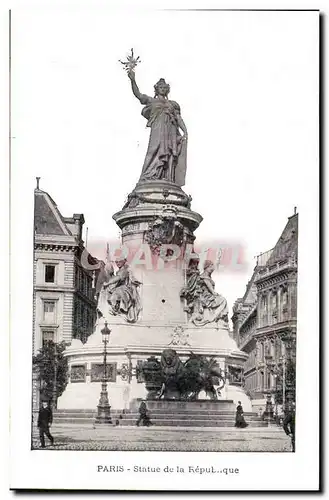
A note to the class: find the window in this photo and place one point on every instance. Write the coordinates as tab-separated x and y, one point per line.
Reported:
49	311
274	301
285	304
262	381
49	273
264	310
47	336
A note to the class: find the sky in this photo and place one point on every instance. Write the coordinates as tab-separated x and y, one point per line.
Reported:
247	86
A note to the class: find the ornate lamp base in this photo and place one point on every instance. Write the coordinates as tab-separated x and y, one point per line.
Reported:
103	415
268	414
103	408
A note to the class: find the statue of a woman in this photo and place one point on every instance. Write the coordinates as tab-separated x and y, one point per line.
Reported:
204	304
122	293
209	299
166	153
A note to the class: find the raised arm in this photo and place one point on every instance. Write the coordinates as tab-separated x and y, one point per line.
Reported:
134	87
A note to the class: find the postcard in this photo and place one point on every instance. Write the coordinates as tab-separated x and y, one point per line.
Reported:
164	189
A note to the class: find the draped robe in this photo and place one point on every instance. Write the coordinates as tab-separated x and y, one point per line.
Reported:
166	153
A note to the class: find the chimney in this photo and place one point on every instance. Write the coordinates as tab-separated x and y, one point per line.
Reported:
79	221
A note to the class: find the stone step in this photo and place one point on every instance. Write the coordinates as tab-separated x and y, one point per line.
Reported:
155	411
192	423
163	416
164	422
176	421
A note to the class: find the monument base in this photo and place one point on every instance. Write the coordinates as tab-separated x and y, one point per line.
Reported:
129	347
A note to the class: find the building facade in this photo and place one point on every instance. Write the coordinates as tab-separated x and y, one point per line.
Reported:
64	303
265	318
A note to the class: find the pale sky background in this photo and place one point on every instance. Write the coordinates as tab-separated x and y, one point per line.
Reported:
247	86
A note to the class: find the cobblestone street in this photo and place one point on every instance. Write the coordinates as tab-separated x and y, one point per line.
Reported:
87	437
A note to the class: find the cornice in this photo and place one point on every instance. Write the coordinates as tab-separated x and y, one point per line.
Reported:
54	289
55	247
275	273
281	327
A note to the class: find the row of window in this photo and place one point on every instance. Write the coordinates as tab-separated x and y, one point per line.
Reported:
269	310
249	327
273	349
260	382
84	318
83	322
83	283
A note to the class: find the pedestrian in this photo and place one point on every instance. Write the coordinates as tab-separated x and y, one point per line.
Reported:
144	417
289	425
239	418
45	421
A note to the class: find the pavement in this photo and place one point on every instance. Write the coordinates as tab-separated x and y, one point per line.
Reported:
129	438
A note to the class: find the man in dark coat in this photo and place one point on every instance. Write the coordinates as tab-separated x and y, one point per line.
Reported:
143	415
289	425
45	420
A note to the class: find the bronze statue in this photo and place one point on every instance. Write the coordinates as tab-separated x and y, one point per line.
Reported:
172	379
167	148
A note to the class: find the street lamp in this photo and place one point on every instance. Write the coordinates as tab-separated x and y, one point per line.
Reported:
289	342
103	408
283	362
268	413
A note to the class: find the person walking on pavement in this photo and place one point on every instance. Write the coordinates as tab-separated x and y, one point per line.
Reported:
239	418
289	425
144	417
45	421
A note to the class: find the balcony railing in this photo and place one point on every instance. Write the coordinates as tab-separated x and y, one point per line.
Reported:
277	266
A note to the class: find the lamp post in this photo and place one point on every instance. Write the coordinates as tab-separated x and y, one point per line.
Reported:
289	342
103	408
283	362
268	414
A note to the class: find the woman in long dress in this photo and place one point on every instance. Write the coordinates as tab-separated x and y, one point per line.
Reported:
166	153
239	418
122	292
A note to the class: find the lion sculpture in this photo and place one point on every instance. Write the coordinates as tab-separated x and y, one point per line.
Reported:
172	379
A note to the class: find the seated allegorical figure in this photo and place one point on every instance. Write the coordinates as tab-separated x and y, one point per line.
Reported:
122	292
204	304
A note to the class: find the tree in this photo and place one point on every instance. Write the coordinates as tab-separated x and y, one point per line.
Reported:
48	360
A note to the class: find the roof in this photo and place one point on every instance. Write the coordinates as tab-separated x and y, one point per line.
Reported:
287	244
47	218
